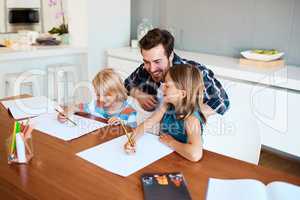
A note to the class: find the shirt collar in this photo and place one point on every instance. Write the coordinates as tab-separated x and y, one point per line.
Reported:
176	59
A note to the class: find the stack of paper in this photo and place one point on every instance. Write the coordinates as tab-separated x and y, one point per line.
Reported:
112	157
29	107
48	123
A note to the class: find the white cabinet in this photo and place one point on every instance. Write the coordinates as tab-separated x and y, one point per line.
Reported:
236	133
123	67
291	141
274	109
2	16
23	4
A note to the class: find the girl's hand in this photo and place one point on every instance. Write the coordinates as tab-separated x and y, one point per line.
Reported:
130	148
114	121
166	139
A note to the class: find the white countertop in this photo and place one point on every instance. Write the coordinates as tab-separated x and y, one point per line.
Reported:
7	54
228	67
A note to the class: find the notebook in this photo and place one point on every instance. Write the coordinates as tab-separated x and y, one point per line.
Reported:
48	124
165	186
29	107
112	157
248	189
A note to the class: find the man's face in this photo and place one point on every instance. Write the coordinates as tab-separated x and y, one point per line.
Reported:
156	62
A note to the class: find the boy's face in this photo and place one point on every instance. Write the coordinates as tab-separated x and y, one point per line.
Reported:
106	100
156	62
171	93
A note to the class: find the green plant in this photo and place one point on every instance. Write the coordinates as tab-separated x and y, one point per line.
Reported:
63	27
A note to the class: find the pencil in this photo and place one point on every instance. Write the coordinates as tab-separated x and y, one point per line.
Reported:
127	135
66	117
13	138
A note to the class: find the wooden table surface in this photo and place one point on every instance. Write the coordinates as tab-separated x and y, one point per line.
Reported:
57	173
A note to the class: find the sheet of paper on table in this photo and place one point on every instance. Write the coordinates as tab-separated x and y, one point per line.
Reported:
112	157
48	123
29	107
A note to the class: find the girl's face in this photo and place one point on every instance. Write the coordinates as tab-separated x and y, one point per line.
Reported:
171	93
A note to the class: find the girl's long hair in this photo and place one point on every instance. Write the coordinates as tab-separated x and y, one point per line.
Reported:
188	78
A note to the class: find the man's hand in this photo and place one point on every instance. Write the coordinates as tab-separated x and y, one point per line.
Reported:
148	102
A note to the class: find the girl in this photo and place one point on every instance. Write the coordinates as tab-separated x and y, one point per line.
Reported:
180	116
111	102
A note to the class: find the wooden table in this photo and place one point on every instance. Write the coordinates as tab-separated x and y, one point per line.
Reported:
57	173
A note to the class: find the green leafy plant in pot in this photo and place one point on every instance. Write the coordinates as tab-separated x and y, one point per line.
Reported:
62	30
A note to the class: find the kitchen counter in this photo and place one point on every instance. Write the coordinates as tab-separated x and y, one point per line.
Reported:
286	77
8	54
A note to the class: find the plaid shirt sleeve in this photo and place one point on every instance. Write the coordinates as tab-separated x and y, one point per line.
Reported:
142	80
135	79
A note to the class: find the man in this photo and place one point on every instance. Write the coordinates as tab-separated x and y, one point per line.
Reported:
157	50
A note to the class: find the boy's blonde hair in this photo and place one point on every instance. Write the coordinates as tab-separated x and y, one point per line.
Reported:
108	82
189	78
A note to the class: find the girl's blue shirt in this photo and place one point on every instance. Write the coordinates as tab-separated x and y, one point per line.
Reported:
175	127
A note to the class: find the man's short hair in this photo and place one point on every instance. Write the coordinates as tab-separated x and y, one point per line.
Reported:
156	37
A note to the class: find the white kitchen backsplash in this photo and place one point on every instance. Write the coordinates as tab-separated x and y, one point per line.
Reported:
23	3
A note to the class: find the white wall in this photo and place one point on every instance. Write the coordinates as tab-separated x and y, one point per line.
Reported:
78	22
108	27
49	13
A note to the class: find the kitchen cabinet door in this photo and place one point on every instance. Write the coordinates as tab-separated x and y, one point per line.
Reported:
236	133
122	66
276	110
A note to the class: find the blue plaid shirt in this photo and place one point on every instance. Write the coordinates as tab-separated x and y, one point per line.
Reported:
214	94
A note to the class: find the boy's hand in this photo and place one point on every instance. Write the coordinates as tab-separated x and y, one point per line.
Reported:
166	139
130	148
62	117
114	121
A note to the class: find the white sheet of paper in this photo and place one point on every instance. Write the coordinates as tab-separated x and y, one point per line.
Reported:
243	189
112	157
281	190
48	123
29	107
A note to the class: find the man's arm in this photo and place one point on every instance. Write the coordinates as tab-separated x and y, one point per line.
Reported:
215	95
134	79
136	85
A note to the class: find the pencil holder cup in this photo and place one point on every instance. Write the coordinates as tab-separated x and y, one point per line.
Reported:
19	144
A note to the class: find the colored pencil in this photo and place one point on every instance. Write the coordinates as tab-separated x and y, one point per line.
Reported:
13	138
127	134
